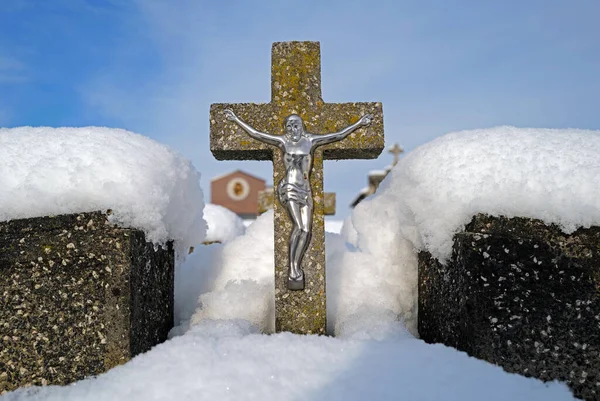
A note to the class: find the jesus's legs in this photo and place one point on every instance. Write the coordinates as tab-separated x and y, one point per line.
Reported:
299	239
306	232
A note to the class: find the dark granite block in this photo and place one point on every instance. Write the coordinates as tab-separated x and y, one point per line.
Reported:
79	296
519	294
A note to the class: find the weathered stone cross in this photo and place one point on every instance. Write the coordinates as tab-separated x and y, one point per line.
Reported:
296	89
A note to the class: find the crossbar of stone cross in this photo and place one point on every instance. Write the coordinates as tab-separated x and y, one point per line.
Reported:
296	89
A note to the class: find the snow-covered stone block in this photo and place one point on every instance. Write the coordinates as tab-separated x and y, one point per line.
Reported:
521	294
78	296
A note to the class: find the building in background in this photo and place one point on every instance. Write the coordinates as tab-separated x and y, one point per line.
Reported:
238	192
376	176
374	179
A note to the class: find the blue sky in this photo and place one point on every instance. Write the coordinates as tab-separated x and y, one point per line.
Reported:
154	67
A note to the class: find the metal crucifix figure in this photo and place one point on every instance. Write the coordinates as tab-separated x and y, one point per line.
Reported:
294	191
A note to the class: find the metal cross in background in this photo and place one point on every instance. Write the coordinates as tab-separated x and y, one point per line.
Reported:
396	150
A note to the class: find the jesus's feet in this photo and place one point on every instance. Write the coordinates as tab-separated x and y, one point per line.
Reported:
296	283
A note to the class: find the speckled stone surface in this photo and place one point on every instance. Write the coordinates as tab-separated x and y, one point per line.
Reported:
79	296
519	294
296	88
266	199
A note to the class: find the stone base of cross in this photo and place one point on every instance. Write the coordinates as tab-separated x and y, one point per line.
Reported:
296	89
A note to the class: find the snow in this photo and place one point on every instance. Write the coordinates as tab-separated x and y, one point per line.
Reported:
333	226
227	360
377	172
239	284
223	224
193	277
243	285
224	292
50	171
198	273
549	174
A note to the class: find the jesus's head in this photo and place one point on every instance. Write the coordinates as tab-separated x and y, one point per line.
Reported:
294	127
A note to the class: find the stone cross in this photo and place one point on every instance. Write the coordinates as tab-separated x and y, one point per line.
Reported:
296	89
266	199
396	150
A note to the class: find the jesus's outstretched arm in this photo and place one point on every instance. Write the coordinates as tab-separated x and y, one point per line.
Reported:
319	140
261	136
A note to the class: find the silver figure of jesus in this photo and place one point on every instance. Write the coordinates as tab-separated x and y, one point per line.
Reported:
294	191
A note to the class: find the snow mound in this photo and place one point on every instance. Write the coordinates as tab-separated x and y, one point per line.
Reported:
371	288
244	279
223	224
548	174
50	171
236	281
227	360
195	276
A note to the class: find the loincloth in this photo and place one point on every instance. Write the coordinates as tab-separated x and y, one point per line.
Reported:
287	192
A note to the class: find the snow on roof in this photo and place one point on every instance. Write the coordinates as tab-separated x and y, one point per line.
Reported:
378	172
50	171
